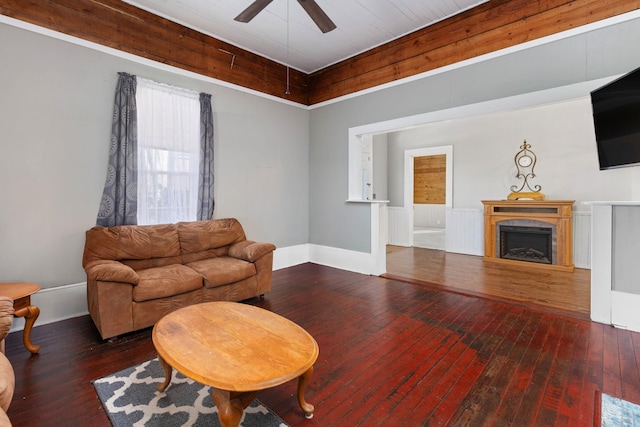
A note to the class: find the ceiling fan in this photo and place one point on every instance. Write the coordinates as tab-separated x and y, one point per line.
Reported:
310	6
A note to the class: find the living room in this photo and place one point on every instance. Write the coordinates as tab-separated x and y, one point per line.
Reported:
282	167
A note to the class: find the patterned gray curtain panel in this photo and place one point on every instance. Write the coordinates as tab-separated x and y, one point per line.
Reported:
119	199
205	189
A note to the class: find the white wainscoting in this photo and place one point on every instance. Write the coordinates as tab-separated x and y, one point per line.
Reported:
430	216
398	229
582	239
465	231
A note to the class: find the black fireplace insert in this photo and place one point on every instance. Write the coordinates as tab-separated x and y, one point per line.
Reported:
532	244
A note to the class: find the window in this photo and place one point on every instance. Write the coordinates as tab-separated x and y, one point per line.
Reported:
168	153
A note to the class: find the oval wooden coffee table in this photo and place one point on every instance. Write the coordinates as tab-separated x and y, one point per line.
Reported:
237	349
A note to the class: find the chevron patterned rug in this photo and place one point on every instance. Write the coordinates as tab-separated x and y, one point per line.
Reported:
616	412
130	398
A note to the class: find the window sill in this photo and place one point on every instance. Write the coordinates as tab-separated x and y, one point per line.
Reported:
367	201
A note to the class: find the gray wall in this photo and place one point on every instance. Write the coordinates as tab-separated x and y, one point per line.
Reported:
55	117
280	169
484	148
582	57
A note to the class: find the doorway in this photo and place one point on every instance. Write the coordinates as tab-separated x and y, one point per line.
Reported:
428	189
429	198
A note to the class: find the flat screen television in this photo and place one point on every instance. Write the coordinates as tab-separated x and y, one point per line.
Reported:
616	118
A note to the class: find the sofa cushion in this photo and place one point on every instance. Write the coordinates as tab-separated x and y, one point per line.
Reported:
206	239
161	282
139	246
223	270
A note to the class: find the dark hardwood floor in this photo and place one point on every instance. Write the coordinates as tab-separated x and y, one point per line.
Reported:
392	353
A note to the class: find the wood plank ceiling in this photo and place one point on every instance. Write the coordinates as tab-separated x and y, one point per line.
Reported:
285	33
491	26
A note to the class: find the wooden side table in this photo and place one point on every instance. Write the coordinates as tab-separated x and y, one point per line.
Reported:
20	293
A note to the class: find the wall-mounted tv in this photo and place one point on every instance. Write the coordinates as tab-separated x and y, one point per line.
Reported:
616	117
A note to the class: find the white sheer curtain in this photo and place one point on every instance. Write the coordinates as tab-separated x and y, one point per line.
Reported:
168	153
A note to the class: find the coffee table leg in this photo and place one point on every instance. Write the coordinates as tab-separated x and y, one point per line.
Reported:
303	380
231	405
30	314
167	374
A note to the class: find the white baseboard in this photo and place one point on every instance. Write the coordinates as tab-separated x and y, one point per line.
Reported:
358	262
55	304
290	256
68	301
624	310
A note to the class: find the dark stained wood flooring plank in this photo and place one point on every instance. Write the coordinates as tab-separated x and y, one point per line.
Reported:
391	353
569	410
628	367
466	360
501	368
611	374
557	377
522	375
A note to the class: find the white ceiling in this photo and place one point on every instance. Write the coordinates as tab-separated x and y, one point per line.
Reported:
297	41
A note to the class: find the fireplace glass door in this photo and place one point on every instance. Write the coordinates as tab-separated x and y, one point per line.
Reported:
531	244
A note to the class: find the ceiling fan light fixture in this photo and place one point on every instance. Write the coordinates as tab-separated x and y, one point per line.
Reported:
314	11
250	12
318	16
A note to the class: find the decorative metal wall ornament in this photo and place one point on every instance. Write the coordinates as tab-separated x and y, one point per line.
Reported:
525	161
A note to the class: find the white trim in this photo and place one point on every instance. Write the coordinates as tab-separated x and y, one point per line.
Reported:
343	259
488	56
69	301
625	310
290	256
140	60
379	223
511	103
548	96
409	156
601	262
520	47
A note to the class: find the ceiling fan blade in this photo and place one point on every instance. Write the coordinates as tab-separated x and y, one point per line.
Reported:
317	15
250	12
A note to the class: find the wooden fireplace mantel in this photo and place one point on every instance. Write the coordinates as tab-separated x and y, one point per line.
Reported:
558	213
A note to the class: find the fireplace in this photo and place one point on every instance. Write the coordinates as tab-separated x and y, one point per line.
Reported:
536	233
531	244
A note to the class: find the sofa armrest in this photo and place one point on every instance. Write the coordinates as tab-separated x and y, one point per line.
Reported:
6	317
250	251
111	271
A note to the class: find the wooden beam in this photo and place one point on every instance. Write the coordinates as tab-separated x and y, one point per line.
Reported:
118	25
495	25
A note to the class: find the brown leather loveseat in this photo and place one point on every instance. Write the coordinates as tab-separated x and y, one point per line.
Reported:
7	376
136	274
